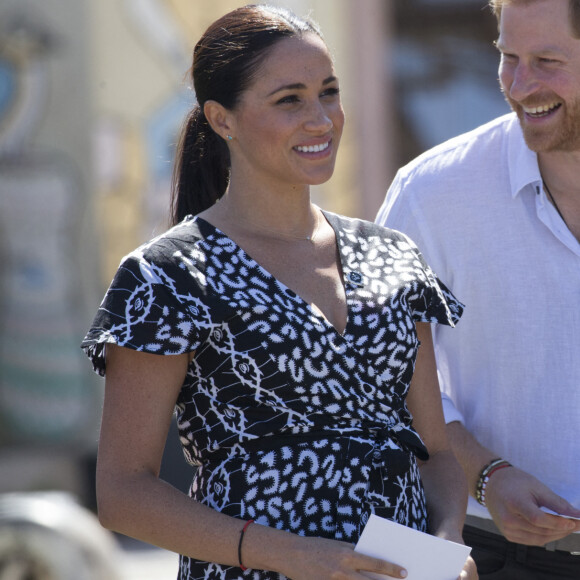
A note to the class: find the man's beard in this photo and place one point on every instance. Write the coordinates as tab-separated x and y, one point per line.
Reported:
564	136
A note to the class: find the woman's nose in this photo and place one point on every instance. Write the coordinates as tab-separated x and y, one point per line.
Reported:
318	118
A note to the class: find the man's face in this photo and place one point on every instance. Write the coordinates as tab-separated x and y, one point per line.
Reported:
539	72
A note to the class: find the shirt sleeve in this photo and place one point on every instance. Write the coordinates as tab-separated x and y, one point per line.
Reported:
450	410
144	311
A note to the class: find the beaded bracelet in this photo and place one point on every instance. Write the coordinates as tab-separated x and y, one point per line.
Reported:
246	526
484	476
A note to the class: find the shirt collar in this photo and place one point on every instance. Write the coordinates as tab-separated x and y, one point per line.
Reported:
522	161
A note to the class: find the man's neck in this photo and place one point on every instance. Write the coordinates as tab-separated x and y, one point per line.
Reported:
561	170
561	174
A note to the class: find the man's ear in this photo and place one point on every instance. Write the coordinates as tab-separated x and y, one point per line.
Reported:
219	119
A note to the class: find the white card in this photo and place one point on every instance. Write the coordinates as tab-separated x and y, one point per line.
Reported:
422	555
553	513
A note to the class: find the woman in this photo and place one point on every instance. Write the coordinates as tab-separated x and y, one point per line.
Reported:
289	338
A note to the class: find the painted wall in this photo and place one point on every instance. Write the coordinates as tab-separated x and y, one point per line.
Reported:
47	266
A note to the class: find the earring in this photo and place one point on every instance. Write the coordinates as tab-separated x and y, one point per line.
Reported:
229	137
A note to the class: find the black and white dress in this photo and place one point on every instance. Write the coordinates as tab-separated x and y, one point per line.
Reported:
290	423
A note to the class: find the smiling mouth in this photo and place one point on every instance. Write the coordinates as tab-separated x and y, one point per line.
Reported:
542	110
313	148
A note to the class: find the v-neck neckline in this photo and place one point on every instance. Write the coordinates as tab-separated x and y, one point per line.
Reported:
314	310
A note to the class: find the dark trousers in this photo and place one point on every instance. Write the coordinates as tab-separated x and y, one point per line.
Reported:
498	559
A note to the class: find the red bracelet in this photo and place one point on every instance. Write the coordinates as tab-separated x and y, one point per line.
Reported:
246	526
497	468
484	476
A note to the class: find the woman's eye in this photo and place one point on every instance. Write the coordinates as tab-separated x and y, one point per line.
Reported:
331	92
288	99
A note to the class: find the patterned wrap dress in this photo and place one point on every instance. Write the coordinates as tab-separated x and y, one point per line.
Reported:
289	422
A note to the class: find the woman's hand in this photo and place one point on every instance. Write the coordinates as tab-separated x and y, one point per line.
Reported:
469	571
322	558
338	560
311	558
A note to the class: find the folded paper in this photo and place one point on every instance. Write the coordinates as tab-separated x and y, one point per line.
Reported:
424	557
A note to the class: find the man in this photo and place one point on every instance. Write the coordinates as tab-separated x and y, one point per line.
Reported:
497	214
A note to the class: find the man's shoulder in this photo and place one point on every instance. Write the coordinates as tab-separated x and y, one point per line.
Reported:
444	180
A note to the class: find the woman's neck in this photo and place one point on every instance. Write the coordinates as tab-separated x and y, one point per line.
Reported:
289	213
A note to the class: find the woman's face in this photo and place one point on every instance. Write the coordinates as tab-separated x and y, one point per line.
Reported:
288	123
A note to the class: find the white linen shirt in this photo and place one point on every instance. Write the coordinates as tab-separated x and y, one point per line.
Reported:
510	370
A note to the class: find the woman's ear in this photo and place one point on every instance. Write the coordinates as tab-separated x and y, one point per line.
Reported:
219	119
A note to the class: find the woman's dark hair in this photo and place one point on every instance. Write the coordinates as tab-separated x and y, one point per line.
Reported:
225	61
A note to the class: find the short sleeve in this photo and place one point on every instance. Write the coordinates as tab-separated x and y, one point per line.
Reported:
432	301
441	305
144	310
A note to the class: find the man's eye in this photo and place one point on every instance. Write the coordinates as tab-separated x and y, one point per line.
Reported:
508	57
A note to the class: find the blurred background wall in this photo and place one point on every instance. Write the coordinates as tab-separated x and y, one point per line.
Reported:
92	94
49	256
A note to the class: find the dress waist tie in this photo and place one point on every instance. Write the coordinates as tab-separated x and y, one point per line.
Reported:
382	435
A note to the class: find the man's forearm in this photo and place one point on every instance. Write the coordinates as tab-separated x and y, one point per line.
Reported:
472	456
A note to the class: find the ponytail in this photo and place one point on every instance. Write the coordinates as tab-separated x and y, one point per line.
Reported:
202	168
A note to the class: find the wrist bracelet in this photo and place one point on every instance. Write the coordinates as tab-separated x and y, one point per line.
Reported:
246	526
484	476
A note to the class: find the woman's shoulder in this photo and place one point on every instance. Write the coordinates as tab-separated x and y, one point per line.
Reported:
365	228
171	246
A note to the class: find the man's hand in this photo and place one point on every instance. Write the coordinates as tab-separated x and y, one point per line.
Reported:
514	499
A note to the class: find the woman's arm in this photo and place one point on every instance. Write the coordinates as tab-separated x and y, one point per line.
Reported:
140	394
443	478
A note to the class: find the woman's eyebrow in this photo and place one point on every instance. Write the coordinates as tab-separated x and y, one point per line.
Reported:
299	86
